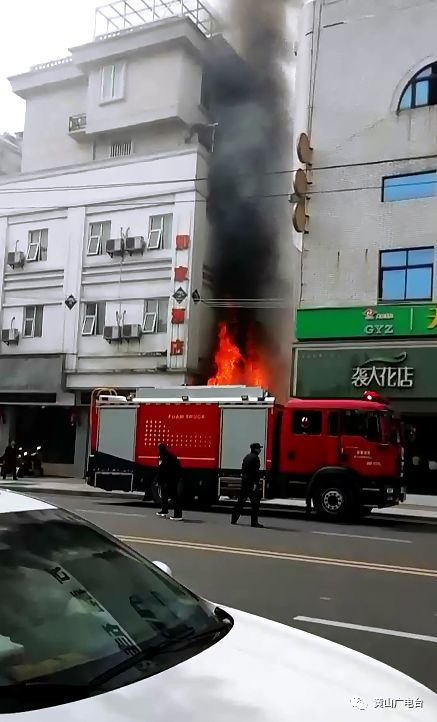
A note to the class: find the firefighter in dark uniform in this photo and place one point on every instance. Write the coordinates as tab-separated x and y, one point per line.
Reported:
250	486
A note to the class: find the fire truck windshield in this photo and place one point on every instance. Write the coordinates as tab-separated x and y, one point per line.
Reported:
372	425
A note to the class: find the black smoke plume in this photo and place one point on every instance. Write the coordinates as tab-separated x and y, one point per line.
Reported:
250	105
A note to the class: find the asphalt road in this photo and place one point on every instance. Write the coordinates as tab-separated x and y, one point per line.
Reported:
371	587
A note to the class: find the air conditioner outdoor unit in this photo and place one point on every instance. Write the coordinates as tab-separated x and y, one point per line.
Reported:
16	259
135	244
10	335
132	330
115	247
111	333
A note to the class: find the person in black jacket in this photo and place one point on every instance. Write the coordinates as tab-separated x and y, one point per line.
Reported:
10	461
250	486
170	482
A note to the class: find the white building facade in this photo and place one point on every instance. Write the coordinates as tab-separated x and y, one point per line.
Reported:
103	235
366	96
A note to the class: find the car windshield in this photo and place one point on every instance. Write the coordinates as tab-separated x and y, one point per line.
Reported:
81	613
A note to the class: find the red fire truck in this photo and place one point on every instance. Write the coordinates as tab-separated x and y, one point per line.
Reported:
343	456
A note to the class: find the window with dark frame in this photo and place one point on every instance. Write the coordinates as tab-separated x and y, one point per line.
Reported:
307	422
333	423
406	275
421	91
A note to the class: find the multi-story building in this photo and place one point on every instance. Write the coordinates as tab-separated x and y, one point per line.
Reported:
102	236
10	154
367	98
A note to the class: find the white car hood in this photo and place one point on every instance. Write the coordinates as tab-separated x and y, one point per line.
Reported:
260	672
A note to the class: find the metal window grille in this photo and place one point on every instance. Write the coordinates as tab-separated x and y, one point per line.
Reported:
121	149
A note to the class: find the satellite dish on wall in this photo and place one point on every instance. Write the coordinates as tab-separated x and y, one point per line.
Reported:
304	149
300	183
300	217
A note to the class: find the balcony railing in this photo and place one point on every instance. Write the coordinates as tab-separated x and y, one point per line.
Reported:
76	123
121	17
53	63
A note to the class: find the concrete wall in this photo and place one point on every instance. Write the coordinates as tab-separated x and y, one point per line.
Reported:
46	140
366	55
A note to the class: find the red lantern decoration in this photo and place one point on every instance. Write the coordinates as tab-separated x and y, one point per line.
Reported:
177	348
180	274
178	316
182	242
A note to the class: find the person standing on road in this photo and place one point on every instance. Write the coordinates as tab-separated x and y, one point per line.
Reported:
170	482
10	461
250	486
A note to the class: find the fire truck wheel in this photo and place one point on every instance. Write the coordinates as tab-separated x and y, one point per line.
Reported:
333	500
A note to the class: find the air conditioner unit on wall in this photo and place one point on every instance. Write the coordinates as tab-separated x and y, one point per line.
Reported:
131	331
112	333
16	259
134	244
115	247
10	336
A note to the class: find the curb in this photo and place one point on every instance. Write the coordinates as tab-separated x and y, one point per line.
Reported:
73	492
137	496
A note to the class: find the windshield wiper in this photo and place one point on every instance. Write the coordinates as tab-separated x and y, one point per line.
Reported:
146	655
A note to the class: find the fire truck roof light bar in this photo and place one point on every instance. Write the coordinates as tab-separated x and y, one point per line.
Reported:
234	400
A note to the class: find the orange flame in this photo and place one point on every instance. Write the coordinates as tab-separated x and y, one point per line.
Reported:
235	369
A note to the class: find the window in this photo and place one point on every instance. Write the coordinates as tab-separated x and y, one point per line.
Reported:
307	422
98	234
421	90
155	315
408	187
120	149
113	77
93	319
32	326
37	245
333	423
77	606
160	232
406	275
361	423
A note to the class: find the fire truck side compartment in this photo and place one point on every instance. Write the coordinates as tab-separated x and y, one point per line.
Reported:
117	432
241	427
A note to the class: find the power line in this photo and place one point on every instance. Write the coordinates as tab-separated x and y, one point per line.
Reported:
131	204
172	181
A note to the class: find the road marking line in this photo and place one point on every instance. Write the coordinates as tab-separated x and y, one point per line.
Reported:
362	628
268	554
362	536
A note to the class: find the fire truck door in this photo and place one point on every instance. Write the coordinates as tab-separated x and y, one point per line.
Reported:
242	427
117	432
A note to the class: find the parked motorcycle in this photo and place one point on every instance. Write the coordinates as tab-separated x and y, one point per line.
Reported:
29	463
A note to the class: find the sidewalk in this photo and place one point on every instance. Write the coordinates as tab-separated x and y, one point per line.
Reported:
417	505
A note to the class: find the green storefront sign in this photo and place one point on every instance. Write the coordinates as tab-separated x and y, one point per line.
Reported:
397	373
372	322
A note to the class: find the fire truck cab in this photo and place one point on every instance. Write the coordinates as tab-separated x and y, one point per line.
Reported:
342	456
